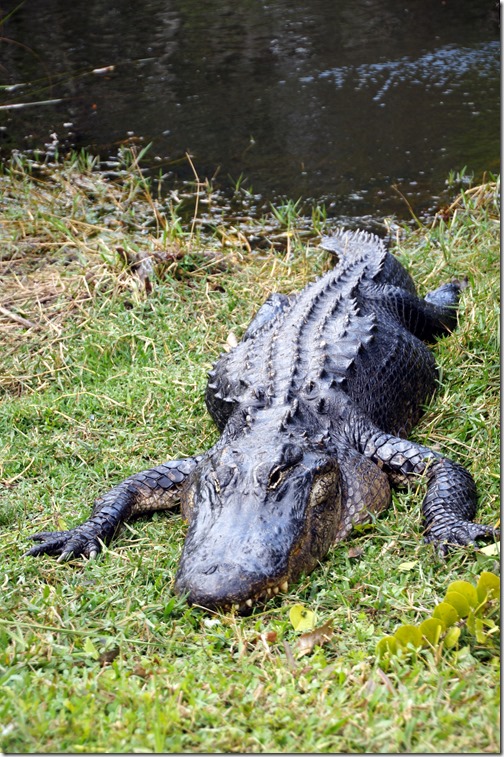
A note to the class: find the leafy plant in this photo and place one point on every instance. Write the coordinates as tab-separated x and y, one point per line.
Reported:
467	612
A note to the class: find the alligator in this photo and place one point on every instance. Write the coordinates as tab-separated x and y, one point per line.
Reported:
314	406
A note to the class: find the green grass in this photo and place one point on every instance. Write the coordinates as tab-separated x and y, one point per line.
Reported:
103	656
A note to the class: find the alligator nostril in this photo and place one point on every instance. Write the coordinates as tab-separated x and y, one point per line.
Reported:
210	570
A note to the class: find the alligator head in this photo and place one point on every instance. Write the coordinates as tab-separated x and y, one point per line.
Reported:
262	509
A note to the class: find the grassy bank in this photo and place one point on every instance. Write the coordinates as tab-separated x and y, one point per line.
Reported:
105	355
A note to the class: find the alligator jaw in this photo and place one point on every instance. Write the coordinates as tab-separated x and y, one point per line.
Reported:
247	606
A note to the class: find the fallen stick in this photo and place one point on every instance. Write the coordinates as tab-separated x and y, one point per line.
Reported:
18	318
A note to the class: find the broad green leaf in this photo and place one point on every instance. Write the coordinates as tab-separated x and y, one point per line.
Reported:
446	613
302	618
479	631
452	637
408	634
90	649
459	602
466	589
407	565
431	630
488	585
491	550
491	624
387	645
470	622
478	627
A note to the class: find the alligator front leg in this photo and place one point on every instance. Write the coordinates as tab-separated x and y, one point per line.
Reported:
145	492
450	502
449	505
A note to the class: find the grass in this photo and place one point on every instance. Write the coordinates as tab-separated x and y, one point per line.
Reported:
109	379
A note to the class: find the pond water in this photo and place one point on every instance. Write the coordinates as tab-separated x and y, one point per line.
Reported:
335	102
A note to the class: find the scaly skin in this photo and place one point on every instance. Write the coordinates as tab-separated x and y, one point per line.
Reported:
145	492
313	405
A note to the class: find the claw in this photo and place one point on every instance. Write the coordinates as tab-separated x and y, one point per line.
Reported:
65	544
442	550
65	556
48	545
464	534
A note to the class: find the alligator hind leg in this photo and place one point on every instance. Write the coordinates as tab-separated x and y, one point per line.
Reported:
145	492
425	318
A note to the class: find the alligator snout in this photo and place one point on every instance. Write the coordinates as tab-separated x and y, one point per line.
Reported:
225	585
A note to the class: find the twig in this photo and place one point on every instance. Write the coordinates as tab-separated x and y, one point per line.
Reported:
18	318
396	189
291	662
196	201
12	106
9	481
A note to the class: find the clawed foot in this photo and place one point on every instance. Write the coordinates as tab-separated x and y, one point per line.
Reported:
67	544
463	534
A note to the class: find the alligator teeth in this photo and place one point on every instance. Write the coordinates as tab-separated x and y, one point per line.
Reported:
284	587
275	590
249	603
269	591
235	607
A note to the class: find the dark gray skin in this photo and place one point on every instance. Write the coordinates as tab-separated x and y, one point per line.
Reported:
314	405
285	517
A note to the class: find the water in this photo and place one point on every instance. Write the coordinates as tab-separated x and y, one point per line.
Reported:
357	105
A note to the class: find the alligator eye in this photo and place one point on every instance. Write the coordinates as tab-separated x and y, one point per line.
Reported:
276	476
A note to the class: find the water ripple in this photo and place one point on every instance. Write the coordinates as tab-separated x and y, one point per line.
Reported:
439	68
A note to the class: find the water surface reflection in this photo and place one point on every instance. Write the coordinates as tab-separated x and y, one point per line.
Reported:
334	102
